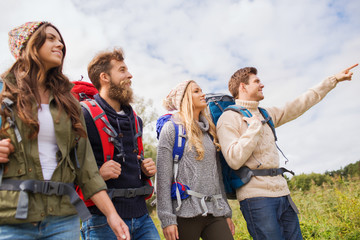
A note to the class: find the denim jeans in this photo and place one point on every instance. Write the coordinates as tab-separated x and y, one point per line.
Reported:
51	228
97	228
271	218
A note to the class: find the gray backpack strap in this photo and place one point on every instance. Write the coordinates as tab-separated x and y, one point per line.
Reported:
130	192
205	198
46	188
245	174
271	171
7	103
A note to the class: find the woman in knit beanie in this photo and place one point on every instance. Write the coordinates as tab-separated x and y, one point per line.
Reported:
203	211
44	148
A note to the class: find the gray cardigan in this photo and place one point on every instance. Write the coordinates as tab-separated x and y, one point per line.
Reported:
202	176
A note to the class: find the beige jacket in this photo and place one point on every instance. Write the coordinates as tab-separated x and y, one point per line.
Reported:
249	145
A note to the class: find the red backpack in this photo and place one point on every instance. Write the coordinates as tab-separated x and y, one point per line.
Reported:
84	92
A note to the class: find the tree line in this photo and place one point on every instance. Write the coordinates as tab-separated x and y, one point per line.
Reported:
305	181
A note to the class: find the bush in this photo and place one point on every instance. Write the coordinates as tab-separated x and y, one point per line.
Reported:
304	182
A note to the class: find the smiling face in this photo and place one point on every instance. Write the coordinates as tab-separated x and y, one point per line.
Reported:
198	97
50	52
253	90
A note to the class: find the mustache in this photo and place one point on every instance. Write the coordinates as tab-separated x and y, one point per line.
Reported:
125	82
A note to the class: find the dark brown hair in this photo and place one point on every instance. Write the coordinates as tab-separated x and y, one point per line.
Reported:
101	64
28	71
240	76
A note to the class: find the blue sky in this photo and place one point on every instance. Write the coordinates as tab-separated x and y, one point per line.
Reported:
294	45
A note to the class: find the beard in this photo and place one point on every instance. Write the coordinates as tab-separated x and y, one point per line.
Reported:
121	92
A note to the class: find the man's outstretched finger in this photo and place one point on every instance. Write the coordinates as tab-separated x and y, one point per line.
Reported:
348	69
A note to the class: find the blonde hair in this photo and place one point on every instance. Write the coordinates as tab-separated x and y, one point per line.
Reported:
193	131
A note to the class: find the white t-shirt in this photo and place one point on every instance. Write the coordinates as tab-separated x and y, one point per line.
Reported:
47	142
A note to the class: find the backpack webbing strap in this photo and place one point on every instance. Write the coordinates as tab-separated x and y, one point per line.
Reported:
246	113
138	136
101	122
178	150
177	191
268	120
46	188
245	174
106	133
180	139
205	198
7	103
271	171
243	111
131	192
292	204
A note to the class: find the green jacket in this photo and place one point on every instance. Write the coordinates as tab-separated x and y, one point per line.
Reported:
25	164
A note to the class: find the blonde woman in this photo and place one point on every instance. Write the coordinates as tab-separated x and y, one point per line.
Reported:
204	212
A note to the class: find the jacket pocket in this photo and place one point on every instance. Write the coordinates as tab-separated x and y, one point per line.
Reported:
16	166
8	203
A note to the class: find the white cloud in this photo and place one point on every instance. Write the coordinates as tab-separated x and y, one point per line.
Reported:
293	44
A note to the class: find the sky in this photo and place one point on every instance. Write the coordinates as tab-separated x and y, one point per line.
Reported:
293	44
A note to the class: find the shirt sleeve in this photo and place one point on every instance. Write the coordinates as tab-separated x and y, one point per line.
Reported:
295	108
88	176
165	174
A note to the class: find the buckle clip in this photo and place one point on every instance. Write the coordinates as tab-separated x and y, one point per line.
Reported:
208	198
273	172
52	188
130	193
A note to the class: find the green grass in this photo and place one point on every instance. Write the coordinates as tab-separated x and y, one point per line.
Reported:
330	211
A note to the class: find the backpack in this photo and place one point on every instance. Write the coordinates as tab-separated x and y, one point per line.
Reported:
234	179
84	92
181	191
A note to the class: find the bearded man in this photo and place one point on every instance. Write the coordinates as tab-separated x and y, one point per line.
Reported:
125	171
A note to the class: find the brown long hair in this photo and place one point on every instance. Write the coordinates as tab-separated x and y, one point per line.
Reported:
29	71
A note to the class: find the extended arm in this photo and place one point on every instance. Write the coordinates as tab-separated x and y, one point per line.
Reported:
304	102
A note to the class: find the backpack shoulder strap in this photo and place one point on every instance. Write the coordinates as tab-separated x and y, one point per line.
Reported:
239	109
138	136
106	132
245	112
180	139
268	120
178	150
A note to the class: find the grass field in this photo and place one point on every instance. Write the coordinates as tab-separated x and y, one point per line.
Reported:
331	211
